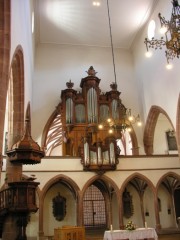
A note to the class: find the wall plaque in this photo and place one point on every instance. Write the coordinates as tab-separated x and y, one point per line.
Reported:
59	207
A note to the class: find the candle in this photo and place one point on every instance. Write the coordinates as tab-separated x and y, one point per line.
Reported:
145	224
111	227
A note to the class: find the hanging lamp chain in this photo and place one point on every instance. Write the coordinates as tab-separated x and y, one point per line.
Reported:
110	31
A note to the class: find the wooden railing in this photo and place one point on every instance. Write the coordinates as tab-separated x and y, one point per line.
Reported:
6	200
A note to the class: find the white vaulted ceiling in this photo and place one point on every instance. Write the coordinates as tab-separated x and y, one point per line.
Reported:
78	22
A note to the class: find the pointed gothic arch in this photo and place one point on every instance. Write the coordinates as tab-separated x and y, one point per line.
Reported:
69	183
5	39
15	106
110	192
150	128
16	97
168	174
168	189
106	180
140	183
140	176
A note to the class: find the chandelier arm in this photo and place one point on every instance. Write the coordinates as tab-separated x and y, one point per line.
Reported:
163	21
154	43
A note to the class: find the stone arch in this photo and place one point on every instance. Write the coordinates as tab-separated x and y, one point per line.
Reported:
16	96
45	189
169	195
135	148
55	180
110	190
150	128
138	175
143	186
172	174
105	179
5	39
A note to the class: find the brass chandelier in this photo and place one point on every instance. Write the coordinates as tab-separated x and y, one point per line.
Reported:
171	30
116	125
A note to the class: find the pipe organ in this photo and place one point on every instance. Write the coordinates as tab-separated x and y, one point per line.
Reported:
82	112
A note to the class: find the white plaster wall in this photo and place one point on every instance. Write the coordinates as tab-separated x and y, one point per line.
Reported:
21	34
149	206
136	217
167	220
115	212
157	85
160	142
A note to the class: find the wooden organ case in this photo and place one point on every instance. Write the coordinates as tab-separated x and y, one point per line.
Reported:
82	112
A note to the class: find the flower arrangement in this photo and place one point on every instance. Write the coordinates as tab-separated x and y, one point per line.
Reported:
130	226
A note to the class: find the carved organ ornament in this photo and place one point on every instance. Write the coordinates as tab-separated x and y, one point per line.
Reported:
82	115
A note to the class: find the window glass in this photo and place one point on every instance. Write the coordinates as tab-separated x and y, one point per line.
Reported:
151	29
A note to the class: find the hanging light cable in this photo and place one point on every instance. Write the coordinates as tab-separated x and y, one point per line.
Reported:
112	49
127	115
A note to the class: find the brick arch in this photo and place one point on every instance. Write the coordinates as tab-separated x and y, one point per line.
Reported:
150	128
5	40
